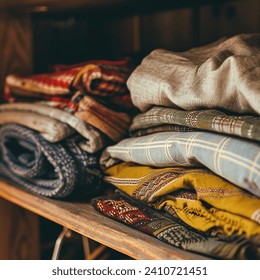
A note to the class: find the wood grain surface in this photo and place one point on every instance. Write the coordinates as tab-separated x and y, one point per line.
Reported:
83	219
15	46
19	236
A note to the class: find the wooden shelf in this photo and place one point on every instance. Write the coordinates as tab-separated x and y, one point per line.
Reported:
83	219
36	6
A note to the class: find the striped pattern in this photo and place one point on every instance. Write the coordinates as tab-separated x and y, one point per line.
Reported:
212	120
102	78
173	231
233	159
112	123
199	197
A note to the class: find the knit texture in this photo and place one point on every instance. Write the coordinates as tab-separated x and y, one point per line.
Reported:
55	170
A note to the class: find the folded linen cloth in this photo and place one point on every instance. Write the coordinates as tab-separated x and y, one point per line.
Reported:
93	141
222	75
50	129
55	170
236	160
212	120
173	231
199	198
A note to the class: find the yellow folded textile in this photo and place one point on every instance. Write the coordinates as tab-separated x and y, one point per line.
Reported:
200	198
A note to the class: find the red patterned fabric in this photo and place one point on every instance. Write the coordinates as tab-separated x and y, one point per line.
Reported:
97	78
94	92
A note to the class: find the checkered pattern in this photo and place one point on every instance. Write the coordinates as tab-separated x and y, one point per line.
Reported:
233	159
213	120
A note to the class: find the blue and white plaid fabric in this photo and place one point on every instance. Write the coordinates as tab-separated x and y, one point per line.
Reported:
236	160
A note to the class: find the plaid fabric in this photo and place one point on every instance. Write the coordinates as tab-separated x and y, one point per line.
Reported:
200	198
93	140
50	128
221	75
94	92
55	170
173	231
213	120
159	128
102	78
236	160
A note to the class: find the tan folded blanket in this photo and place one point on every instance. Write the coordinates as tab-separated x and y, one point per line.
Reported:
51	129
94	139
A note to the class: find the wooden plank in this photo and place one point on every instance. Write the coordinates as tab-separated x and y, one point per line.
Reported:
95	5
229	19
82	218
19	233
15	46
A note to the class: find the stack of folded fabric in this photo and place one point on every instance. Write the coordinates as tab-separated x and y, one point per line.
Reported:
90	98
194	152
55	125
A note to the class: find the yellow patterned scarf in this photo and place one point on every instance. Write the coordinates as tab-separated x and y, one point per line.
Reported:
200	198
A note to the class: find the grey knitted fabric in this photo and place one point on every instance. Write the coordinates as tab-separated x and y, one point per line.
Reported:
55	170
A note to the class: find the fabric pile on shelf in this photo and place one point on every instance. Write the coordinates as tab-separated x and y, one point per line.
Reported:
55	125
194	154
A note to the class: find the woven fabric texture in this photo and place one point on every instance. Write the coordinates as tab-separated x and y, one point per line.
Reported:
56	170
224	75
173	231
238	161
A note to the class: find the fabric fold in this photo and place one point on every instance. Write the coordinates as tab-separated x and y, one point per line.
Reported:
94	93
233	159
50	129
212	120
199	198
159	128
112	123
224	75
93	140
95	77
172	231
57	170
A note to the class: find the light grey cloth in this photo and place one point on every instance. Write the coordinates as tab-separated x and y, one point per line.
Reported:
51	129
222	75
235	160
94	141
